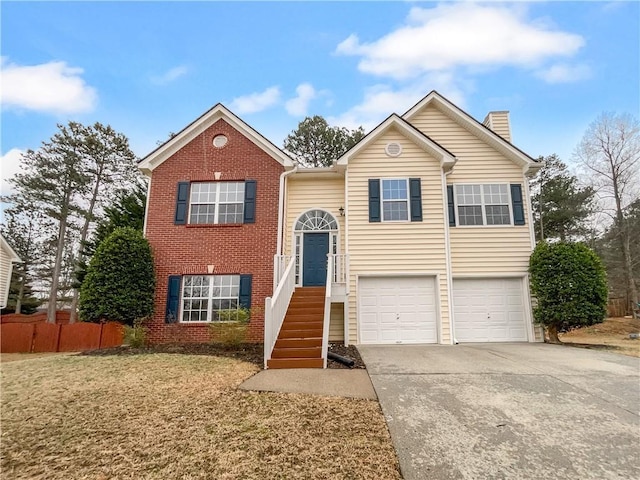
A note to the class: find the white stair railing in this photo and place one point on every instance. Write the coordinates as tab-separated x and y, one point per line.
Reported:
339	264
275	308
327	310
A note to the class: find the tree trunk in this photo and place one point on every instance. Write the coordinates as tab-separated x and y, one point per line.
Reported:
552	330
23	280
632	290
57	267
83	237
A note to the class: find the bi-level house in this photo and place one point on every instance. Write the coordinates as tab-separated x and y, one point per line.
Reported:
421	233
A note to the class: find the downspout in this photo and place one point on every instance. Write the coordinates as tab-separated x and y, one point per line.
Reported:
281	211
146	207
448	246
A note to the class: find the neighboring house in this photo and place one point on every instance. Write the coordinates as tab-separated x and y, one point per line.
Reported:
426	225
7	258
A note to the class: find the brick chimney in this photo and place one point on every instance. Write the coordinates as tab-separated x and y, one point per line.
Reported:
499	123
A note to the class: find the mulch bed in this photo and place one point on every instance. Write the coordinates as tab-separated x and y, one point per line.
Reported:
350	352
248	352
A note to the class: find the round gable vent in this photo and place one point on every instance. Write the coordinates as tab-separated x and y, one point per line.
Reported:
220	141
393	149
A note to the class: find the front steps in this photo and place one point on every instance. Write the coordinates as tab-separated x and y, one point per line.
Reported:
299	343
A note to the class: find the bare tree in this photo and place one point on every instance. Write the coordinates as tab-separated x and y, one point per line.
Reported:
610	152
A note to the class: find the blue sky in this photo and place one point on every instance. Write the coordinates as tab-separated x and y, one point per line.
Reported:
150	68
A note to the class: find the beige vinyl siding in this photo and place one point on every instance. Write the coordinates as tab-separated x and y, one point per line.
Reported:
479	250
307	191
396	247
336	323
5	276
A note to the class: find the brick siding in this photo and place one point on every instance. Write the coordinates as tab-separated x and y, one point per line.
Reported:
232	249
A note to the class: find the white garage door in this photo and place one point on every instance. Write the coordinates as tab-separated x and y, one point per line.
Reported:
397	310
489	310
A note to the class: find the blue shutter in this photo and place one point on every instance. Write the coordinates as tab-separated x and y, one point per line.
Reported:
518	206
452	208
245	291
250	201
173	299
415	194
374	200
182	202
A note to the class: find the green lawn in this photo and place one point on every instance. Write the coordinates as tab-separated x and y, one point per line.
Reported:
168	416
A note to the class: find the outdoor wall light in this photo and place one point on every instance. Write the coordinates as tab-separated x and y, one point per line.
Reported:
341	210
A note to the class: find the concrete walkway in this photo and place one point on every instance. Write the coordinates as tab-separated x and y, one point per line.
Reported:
315	381
509	411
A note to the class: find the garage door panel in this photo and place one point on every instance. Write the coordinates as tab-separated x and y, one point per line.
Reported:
489	310
404	310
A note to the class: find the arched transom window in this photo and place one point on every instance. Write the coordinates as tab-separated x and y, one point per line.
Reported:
315	220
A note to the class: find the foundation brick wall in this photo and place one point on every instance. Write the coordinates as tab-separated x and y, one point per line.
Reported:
232	249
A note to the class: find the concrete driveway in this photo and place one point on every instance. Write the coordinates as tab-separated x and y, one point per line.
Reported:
496	411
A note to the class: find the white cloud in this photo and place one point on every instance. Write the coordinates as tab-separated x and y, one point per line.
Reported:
455	35
9	166
564	73
380	101
52	87
297	106
256	102
170	75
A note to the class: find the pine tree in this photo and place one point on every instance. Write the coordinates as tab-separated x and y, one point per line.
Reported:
52	182
316	144
109	165
560	206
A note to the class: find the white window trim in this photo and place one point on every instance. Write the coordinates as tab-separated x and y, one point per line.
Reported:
483	205
382	200
210	299
216	203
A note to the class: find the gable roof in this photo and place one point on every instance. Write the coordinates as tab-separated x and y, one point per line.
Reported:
433	148
195	128
13	256
476	128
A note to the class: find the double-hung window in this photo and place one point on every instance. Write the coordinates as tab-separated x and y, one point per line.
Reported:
486	204
395	200
216	202
205	296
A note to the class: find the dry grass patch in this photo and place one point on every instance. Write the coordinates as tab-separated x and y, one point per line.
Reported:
16	357
162	416
613	334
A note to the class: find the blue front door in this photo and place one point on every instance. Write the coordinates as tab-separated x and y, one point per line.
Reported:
315	247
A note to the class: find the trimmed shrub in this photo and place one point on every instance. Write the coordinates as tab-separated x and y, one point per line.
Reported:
120	280
570	284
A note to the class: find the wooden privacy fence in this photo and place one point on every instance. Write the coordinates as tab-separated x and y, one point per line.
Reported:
49	337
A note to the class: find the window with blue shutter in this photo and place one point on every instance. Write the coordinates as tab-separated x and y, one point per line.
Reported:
451	206
517	204
182	203
245	291
173	299
250	201
374	200
415	194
